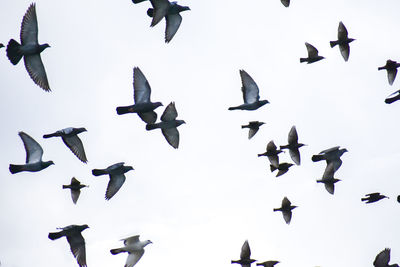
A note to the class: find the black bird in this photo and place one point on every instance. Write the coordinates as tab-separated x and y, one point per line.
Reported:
272	154
30	49
282	168
286	209
312	55
141	94
331	155
391	68
343	41
75	240
373	197
1	45
286	3
293	145
245	254
253	126
267	263
390	100
75	187
328	180
383	258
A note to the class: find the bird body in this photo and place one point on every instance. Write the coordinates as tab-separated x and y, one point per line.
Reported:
312	55
75	186
391	68
253	126
343	41
272	154
328	180
286	209
135	249
373	197
293	145
282	168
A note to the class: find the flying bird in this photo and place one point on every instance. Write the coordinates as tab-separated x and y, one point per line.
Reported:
135	249
383	258
293	145
391	68
328	180
390	100
272	154
117	177
168	125
253	126
30	49
373	197
75	188
75	240
34	153
1	45
71	140
282	168
141	94
286	209
286	3
331	155
245	254
250	92
267	263
312	55
343	41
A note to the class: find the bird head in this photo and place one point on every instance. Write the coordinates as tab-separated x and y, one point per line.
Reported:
147	242
43	47
263	102
48	163
183	8
180	122
157	104
80	130
83	227
351	40
128	168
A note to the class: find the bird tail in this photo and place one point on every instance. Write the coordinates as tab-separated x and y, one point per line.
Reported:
233	108
137	1
98	172
123	110
234	261
65	186
333	43
277	209
13	52
150	127
54	236
272	167
316	158
303	60
50	135
364	199
117	250
16	168
150	12
381	68
391	100
260	155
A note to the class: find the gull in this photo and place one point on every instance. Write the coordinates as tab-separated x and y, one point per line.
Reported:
293	145
245	254
373	197
272	154
343	41
135	249
391	68
312	55
75	187
286	209
253	126
328	179
383	258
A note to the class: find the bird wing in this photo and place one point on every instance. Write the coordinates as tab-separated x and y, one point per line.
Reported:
391	75
345	51
282	172
373	194
172	136
286	3
312	51
160	10
131	240
75	195
148	117
271	146
249	88
173	23
329	171
252	132
75	181
330	187
287	215
295	155
245	252
35	68
329	150
169	113
115	183
292	136
134	257
336	164
77	245
34	151
141	87
274	160
342	31
29	26
74	143
286	202
383	258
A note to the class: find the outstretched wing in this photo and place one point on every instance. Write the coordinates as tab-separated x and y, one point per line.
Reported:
29	26
74	143
33	150
249	88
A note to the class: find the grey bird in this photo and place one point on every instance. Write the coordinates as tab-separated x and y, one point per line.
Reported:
71	140
245	253
168	125
267	263
169	10
331	155
253	126
390	99
293	145
117	177
34	153
383	258
272	154
373	197
312	55
282	168
75	240
141	95
343	41
30	49
135	249
328	180
286	3
250	92
75	188
391	68
286	209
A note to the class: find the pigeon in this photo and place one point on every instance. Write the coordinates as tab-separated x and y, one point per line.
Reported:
331	155
293	145
286	3
250	92
390	100
34	153
30	49
267	263
253	127
391	68
72	141
286	209
383	258
117	177
343	41
328	179
135	249
373	197
272	154
245	254
168	125
75	240
312	55
282	168
141	94
169	10
75	187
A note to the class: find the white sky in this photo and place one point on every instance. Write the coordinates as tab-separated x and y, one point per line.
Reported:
198	204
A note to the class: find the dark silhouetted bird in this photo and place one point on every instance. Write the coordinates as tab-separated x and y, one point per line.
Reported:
391	68
168	125
253	126
373	197
390	100
312	55
272	154
267	263
135	249
75	187
117	177
30	49
343	41
34	153
250	92
141	94
293	145
71	140
75	240
282	168
286	209
286	3
1	45
245	254
331	155
328	180
383	258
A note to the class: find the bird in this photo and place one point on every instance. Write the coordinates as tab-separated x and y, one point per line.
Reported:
141	94
253	126
75	240
331	155
267	263
30	49
71	140
286	209
117	177
168	125
34	153
75	187
293	145
286	3
169	10
383	258
282	168
1	45
373	197
272	154
245	253
135	249
250	92
391	68
312	55
390	100
328	180
343	41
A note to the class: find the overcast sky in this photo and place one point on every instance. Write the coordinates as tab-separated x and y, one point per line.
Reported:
199	203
